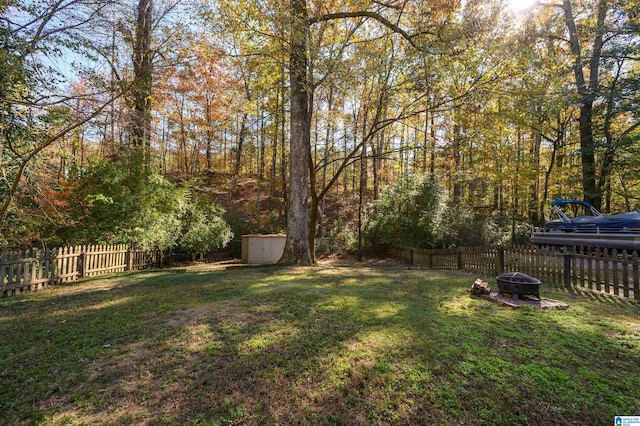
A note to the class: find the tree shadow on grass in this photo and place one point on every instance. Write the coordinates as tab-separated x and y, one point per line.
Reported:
289	346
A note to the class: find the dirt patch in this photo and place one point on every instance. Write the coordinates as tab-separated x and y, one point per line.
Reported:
543	303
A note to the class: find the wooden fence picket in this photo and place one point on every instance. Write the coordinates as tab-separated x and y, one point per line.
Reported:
62	259
636	276
625	274
597	277
13	270
607	279
103	258
580	277
615	270
35	269
3	275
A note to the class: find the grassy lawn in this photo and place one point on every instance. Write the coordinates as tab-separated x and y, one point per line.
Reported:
323	345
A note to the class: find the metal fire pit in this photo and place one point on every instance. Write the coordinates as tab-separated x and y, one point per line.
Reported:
518	284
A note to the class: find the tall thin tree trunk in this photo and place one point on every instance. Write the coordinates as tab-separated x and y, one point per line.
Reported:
516	192
283	147
238	161
401	149
425	141
363	186
324	198
325	161
163	145
209	132
260	165
376	153
261	150
457	160
224	149
533	205
183	140
274	149
557	143
432	162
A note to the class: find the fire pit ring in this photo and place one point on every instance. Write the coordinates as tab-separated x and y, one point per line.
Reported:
517	284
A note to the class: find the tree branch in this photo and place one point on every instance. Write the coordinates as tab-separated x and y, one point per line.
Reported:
27	158
369	14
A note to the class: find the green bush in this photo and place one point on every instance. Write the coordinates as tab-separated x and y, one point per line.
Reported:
412	212
105	205
502	229
459	226
406	214
204	231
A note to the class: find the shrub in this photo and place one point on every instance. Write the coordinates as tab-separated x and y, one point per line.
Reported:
459	226
502	229
204	231
105	205
406	213
414	213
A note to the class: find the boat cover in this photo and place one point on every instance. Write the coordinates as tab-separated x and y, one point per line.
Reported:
597	222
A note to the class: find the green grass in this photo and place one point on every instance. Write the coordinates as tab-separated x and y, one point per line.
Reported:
323	345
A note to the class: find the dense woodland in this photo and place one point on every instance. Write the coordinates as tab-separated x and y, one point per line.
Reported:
178	122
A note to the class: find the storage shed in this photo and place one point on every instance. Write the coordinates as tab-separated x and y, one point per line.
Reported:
262	249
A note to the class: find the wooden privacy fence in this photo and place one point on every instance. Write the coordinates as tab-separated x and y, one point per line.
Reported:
609	271
35	269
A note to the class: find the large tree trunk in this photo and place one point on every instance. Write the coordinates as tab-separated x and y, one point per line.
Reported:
587	152
141	90
587	91
296	250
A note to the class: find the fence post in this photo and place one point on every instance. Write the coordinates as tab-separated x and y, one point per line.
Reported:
636	276
500	261
411	257
82	264
459	258
129	259
3	263
567	269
